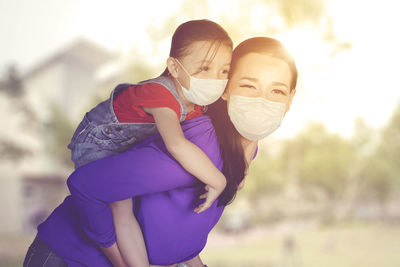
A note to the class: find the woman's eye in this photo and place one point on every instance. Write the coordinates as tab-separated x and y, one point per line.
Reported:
248	86
279	92
225	71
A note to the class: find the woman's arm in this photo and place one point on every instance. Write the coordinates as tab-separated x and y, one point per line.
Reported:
195	262
132	173
113	254
129	235
145	169
190	156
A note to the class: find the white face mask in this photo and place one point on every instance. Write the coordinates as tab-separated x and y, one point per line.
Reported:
203	91
255	117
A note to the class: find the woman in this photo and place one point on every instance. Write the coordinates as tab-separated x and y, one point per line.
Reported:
260	91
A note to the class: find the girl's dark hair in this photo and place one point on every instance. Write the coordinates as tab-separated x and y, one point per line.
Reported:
193	31
229	139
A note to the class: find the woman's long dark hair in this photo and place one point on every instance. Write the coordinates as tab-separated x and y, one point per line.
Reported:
229	139
231	150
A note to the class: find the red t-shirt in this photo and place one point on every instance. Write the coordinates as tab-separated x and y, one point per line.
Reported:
128	104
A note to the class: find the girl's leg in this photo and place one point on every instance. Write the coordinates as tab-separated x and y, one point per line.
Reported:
40	255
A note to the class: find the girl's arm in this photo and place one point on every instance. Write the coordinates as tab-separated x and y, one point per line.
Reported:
190	156
129	235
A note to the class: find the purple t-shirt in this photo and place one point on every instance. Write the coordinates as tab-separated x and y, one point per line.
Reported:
166	197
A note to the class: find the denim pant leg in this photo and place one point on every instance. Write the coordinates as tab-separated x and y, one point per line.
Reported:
40	255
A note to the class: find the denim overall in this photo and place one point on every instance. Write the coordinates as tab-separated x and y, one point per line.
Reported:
100	134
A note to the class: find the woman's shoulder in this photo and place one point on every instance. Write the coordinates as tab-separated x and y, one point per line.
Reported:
200	122
201	132
199	127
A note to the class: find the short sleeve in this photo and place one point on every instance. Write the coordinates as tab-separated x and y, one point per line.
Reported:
128	105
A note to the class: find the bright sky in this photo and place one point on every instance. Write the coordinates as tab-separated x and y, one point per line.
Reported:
334	90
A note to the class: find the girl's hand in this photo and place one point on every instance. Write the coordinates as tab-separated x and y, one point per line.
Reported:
240	186
211	195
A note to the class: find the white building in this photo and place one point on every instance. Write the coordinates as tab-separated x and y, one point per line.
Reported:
33	185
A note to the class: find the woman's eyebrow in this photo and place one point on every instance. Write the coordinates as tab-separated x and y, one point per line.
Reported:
250	79
280	84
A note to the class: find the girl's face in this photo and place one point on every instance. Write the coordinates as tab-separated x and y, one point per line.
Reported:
258	75
204	60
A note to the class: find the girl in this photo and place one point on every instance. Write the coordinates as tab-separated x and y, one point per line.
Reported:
196	75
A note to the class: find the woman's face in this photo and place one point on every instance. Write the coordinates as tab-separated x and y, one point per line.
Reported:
259	75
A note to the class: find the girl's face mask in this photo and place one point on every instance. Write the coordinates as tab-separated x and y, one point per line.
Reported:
203	91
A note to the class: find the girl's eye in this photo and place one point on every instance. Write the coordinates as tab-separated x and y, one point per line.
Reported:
205	68
225	71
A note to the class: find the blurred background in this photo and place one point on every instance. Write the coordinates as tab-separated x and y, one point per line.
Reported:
324	189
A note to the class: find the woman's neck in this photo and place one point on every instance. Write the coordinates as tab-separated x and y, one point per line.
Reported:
249	149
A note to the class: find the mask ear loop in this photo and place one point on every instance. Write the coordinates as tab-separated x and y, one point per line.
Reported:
186	73
183	67
203	108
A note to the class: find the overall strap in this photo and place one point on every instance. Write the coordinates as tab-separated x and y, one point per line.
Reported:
169	84
116	91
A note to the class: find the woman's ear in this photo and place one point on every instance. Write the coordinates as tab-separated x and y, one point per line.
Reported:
172	66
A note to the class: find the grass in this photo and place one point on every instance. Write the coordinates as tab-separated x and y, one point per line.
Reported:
342	245
13	249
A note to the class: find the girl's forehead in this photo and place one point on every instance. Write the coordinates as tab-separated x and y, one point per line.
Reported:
197	49
199	52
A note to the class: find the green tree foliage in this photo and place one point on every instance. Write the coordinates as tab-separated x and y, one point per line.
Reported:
189	10
322	159
60	131
381	174
138	70
313	159
266	174
301	11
